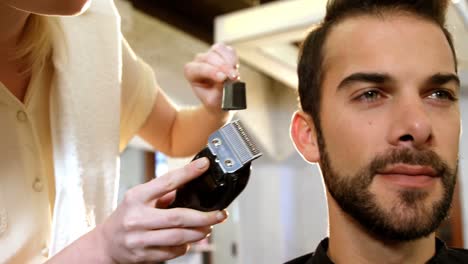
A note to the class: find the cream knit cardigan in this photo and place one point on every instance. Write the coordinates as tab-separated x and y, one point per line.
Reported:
85	116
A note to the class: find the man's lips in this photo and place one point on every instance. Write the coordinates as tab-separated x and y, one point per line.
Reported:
409	170
409	176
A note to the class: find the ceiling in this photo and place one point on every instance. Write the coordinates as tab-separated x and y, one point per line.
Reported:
195	17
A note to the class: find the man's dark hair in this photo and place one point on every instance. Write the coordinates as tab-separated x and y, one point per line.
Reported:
310	68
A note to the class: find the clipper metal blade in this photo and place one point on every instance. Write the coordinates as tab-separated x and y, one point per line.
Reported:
230	151
233	147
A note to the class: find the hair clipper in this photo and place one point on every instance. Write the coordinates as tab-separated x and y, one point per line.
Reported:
230	151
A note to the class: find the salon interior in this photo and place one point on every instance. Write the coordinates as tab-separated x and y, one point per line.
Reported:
282	212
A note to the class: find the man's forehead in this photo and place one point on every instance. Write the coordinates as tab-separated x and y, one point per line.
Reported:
364	27
376	40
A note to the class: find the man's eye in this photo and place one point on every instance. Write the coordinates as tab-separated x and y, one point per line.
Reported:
442	95
370	96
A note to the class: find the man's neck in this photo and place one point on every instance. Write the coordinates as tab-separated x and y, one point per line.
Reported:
349	240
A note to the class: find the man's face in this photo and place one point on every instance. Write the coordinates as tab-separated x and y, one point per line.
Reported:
390	123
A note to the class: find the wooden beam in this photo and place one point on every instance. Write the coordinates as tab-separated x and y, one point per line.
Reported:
196	18
167	12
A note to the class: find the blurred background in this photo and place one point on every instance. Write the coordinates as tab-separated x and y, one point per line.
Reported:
282	212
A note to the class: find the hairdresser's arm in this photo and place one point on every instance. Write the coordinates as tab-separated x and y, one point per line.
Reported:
183	132
138	232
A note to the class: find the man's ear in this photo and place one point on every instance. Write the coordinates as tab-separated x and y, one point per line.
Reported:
304	136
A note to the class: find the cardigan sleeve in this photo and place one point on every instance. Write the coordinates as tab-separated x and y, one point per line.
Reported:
139	90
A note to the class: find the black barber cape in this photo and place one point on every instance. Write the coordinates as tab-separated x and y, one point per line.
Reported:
443	255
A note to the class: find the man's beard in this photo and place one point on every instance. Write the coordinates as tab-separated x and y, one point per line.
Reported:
410	217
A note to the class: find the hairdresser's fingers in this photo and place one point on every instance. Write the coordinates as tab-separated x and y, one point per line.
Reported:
230	58
216	60
212	58
158	254
166	200
203	74
168	182
227	53
169	237
152	218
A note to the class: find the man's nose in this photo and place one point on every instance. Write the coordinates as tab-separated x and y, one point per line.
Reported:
410	124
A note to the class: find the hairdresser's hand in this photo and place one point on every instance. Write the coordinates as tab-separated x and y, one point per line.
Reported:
207	72
138	232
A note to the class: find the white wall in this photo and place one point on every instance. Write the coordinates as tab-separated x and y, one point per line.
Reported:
132	169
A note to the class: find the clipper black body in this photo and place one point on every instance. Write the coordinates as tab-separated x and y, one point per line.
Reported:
230	151
214	190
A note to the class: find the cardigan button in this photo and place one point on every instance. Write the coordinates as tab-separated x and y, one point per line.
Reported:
38	186
21	116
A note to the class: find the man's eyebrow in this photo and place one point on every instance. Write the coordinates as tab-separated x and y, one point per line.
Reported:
366	77
444	78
